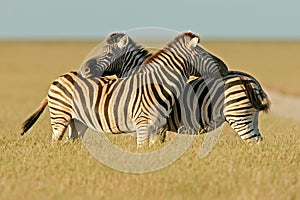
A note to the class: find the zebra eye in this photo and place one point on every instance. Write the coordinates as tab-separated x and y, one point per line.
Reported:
110	54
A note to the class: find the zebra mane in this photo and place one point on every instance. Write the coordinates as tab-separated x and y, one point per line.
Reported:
120	65
262	104
151	57
175	40
131	59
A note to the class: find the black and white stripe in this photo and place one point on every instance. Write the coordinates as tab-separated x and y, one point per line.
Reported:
118	55
207	103
141	102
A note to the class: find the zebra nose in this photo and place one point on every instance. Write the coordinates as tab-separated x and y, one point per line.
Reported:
87	70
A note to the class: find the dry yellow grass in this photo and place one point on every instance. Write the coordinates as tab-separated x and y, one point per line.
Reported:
275	64
31	168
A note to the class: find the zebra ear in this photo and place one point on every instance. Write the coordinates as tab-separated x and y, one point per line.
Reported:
193	43
123	42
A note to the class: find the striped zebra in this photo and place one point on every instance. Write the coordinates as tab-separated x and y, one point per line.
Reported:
206	104
122	56
140	103
204	109
124	68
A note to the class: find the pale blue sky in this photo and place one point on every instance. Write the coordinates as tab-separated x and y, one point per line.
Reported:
94	19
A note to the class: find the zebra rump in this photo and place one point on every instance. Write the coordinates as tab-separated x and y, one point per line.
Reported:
207	103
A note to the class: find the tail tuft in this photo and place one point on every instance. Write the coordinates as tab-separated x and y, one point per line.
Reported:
260	101
27	124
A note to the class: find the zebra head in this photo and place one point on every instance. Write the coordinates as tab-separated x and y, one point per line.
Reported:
244	99
207	64
196	60
114	47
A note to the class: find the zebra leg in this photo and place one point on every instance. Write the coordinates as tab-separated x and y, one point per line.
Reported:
81	128
59	127
142	136
216	123
76	129
73	134
148	131
58	131
163	134
158	134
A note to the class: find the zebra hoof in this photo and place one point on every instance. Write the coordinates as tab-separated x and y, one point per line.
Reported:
255	140
54	142
142	144
153	140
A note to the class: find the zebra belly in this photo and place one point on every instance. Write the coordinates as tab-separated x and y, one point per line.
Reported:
108	114
104	127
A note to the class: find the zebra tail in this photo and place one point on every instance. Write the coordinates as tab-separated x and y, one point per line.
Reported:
27	124
263	103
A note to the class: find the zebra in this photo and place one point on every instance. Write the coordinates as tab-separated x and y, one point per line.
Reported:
208	121
141	102
119	56
235	98
122	56
123	68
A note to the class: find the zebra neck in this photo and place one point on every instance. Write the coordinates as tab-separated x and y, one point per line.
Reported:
168	78
133	61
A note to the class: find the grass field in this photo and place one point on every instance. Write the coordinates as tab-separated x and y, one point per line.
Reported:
32	168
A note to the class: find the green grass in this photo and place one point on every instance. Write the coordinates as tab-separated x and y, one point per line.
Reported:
32	168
